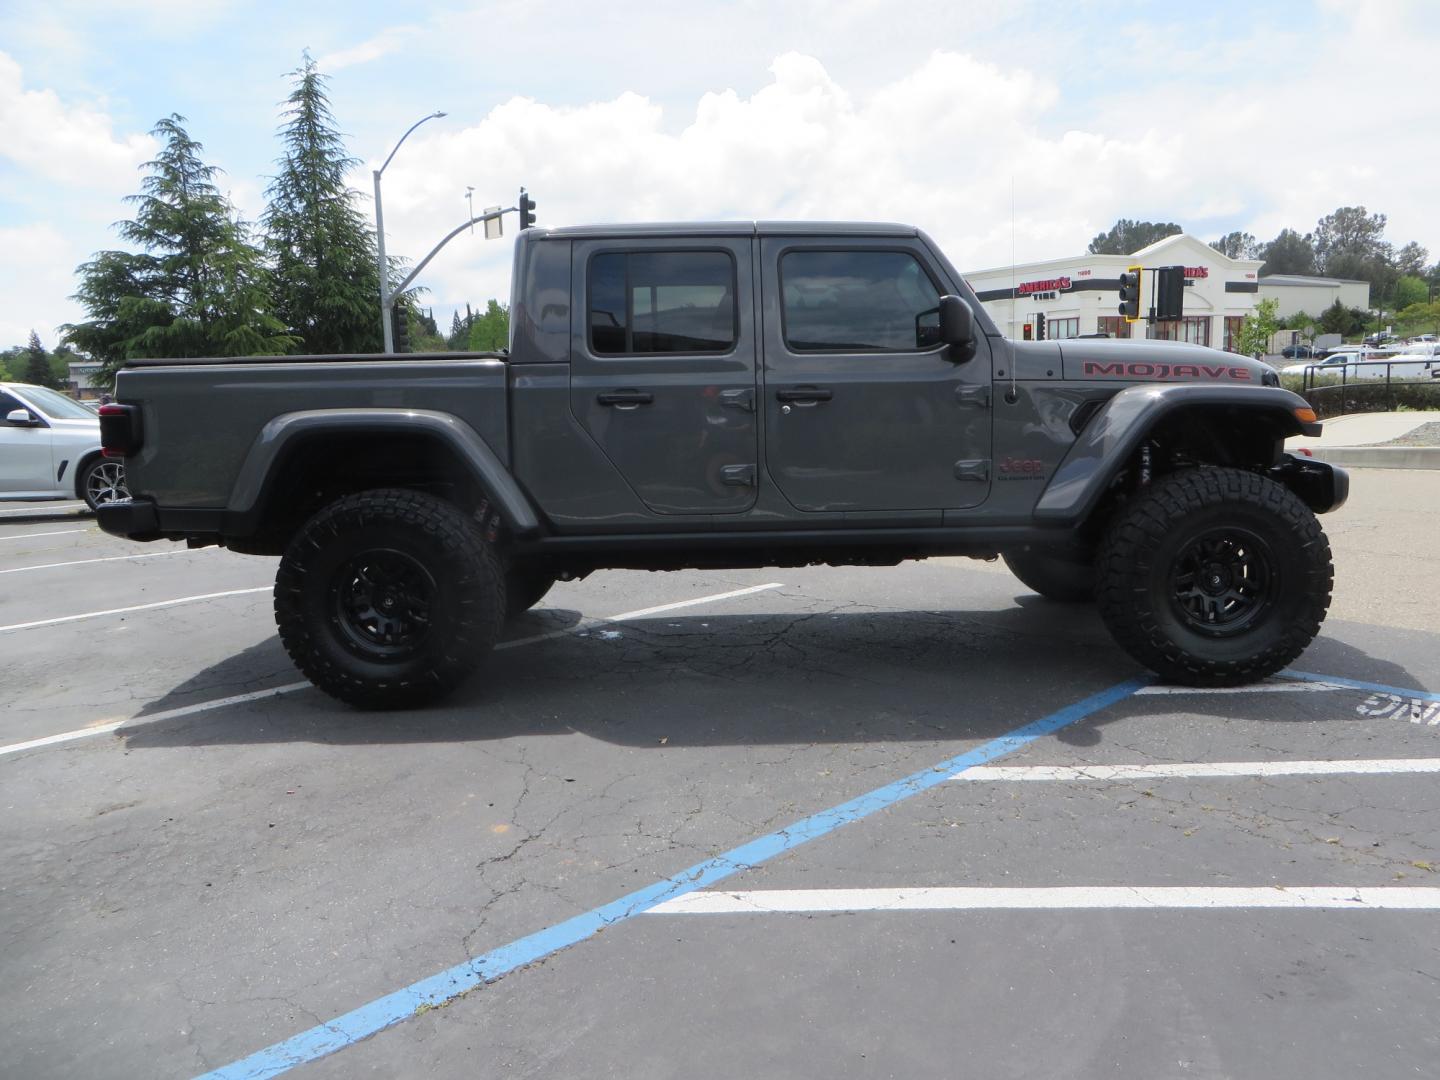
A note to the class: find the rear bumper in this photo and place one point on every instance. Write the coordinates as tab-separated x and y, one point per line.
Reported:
133	519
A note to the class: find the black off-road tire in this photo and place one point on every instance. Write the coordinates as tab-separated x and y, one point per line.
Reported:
524	589
389	598
1054	576
1214	577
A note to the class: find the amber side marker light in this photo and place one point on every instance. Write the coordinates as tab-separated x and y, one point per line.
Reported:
1306	416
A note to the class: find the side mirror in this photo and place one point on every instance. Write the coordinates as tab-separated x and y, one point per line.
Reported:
957	327
19	417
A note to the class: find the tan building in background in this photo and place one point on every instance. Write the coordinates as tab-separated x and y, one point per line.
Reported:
1312	295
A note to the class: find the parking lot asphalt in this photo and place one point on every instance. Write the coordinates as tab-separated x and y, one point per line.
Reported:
786	821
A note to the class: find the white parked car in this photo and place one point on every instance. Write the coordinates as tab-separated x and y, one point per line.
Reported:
50	449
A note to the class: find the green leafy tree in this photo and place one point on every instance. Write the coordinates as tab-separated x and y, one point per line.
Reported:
1410	260
1258	328
1421	318
1126	237
37	364
1236	245
197	287
490	332
1408	291
327	284
1288	253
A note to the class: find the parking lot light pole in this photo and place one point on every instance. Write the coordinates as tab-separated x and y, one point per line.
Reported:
386	296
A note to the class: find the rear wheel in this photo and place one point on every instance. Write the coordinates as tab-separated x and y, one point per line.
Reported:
1215	577
389	598
1054	576
102	480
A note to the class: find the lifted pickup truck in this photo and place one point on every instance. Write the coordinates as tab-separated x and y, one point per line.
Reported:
734	395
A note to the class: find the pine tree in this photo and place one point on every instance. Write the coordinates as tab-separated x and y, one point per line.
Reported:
320	246
197	288
37	364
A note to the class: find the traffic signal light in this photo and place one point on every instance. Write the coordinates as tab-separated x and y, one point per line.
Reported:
1130	293
527	210
1169	292
1039	326
400	329
1029	332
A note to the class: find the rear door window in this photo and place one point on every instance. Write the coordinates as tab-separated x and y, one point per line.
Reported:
645	302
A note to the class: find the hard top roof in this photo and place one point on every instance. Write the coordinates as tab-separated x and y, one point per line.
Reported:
727	228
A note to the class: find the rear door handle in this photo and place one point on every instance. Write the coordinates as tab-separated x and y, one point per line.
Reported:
625	397
805	395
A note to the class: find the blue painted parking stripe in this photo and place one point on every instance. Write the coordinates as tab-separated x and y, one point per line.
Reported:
377	1015
1356	684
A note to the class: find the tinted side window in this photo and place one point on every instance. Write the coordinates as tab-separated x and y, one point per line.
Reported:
662	302
858	301
8	405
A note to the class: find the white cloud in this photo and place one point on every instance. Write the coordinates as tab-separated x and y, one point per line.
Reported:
66	142
384	43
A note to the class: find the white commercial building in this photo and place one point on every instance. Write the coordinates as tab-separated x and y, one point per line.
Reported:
1081	295
1312	295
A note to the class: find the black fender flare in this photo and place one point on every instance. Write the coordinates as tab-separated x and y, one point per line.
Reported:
269	450
1116	431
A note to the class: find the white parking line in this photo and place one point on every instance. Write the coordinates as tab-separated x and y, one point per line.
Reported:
36	536
103	727
128	610
108	558
43	507
1368	766
168	714
1081	897
590	624
1266	687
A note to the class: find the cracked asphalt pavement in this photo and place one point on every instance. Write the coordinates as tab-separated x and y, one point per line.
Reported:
195	884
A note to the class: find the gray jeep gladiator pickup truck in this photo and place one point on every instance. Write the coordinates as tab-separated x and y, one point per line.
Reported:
734	395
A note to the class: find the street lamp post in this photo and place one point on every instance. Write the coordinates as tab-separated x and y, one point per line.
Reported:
387	298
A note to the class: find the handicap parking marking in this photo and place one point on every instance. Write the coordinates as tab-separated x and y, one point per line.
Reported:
1358	684
445	986
1054	898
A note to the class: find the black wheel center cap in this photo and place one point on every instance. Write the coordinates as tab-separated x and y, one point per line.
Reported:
1215	579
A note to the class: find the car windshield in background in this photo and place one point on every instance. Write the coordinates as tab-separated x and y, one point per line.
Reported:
55	405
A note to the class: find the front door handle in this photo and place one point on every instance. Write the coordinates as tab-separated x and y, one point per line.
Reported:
805	395
625	398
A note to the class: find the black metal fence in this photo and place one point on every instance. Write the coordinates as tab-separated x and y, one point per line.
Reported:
1335	393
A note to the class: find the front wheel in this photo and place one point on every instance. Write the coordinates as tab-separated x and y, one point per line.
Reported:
1215	577
389	598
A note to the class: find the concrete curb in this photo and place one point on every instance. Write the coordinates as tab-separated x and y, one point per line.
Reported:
1380	457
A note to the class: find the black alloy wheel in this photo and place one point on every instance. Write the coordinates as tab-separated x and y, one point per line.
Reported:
1223	581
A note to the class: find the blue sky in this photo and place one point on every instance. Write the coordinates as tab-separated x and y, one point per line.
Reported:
1218	116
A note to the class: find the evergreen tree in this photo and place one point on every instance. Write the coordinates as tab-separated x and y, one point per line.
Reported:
1288	253
37	364
321	248
198	287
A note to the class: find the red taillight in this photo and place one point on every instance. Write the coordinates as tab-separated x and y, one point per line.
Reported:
120	430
